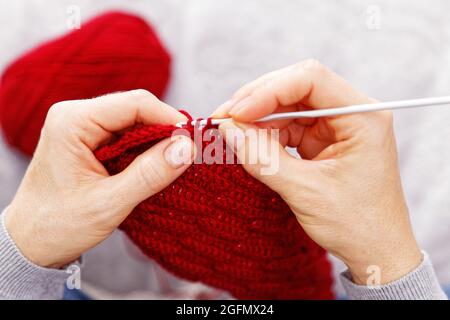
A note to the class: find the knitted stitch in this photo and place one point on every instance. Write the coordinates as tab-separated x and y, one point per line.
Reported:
218	225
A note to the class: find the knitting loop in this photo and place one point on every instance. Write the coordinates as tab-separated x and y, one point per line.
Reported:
196	122
188	116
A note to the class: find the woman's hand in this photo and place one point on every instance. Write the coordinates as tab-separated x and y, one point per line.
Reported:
346	190
67	203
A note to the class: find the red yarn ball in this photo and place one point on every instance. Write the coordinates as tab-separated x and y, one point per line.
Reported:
113	52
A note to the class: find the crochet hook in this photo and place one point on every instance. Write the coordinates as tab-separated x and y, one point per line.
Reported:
370	107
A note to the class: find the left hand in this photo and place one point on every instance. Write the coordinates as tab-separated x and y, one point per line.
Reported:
67	203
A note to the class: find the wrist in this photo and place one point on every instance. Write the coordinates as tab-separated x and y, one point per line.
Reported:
385	266
22	279
24	237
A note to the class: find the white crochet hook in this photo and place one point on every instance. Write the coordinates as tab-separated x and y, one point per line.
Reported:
391	105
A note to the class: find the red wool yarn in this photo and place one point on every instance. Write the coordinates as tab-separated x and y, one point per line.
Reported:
113	52
215	224
218	225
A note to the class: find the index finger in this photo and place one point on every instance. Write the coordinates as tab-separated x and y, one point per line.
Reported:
308	83
100	117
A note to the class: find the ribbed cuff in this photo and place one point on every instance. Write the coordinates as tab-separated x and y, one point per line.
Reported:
22	279
419	284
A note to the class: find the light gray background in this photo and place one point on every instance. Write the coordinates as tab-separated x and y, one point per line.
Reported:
219	45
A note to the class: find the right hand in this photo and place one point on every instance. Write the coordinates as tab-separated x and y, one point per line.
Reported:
345	191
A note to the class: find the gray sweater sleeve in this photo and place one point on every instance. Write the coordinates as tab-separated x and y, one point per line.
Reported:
22	279
419	284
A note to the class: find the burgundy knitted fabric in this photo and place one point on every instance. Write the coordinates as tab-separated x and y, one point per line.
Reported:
218	225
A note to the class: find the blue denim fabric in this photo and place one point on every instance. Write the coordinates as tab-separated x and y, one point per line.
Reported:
74	294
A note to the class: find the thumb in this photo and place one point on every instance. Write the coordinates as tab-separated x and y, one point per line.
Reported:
263	157
152	171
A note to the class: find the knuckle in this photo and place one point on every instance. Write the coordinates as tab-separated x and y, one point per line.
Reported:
55	110
268	86
55	116
384	123
387	117
379	129
243	91
142	97
271	82
312	65
141	94
152	176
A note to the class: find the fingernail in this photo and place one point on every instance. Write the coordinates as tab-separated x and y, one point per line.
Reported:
241	105
222	110
180	152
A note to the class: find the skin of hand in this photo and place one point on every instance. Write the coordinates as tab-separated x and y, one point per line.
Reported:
345	190
67	203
